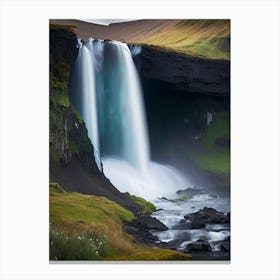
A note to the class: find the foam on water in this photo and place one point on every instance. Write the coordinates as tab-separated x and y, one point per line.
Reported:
160	180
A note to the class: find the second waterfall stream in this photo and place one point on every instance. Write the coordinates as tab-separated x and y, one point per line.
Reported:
106	91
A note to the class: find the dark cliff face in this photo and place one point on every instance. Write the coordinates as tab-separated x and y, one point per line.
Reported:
63	45
179	72
72	162
68	134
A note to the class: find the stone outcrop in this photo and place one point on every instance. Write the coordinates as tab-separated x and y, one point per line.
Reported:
179	72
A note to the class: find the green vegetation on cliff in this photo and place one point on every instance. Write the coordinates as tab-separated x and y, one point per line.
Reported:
68	133
215	157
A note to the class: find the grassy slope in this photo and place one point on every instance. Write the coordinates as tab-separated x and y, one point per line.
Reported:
203	38
77	215
215	159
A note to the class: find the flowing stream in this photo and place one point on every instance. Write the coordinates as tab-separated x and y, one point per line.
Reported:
172	213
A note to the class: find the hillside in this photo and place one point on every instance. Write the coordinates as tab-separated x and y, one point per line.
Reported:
203	38
86	227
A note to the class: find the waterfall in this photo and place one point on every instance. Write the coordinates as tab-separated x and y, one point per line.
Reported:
107	92
209	117
87	105
124	99
135	50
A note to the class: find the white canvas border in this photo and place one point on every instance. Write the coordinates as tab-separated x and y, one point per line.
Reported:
254	128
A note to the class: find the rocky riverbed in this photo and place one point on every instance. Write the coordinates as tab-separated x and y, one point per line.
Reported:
199	225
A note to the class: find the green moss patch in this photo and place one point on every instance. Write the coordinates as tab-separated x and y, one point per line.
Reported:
218	128
146	206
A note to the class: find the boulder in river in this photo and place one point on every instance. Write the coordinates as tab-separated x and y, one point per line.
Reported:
191	191
198	246
147	222
182	226
142	236
140	228
225	245
207	215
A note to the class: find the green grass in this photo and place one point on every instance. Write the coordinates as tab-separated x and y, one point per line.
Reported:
55	187
80	247
214	158
208	47
146	206
86	208
78	223
155	254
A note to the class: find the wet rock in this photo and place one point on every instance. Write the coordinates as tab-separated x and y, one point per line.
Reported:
142	236
198	246
228	217
140	228
191	191
225	246
182	226
207	215
227	239
197	225
171	245
147	222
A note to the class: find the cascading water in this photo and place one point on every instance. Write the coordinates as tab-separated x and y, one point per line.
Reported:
111	93
125	98
87	106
